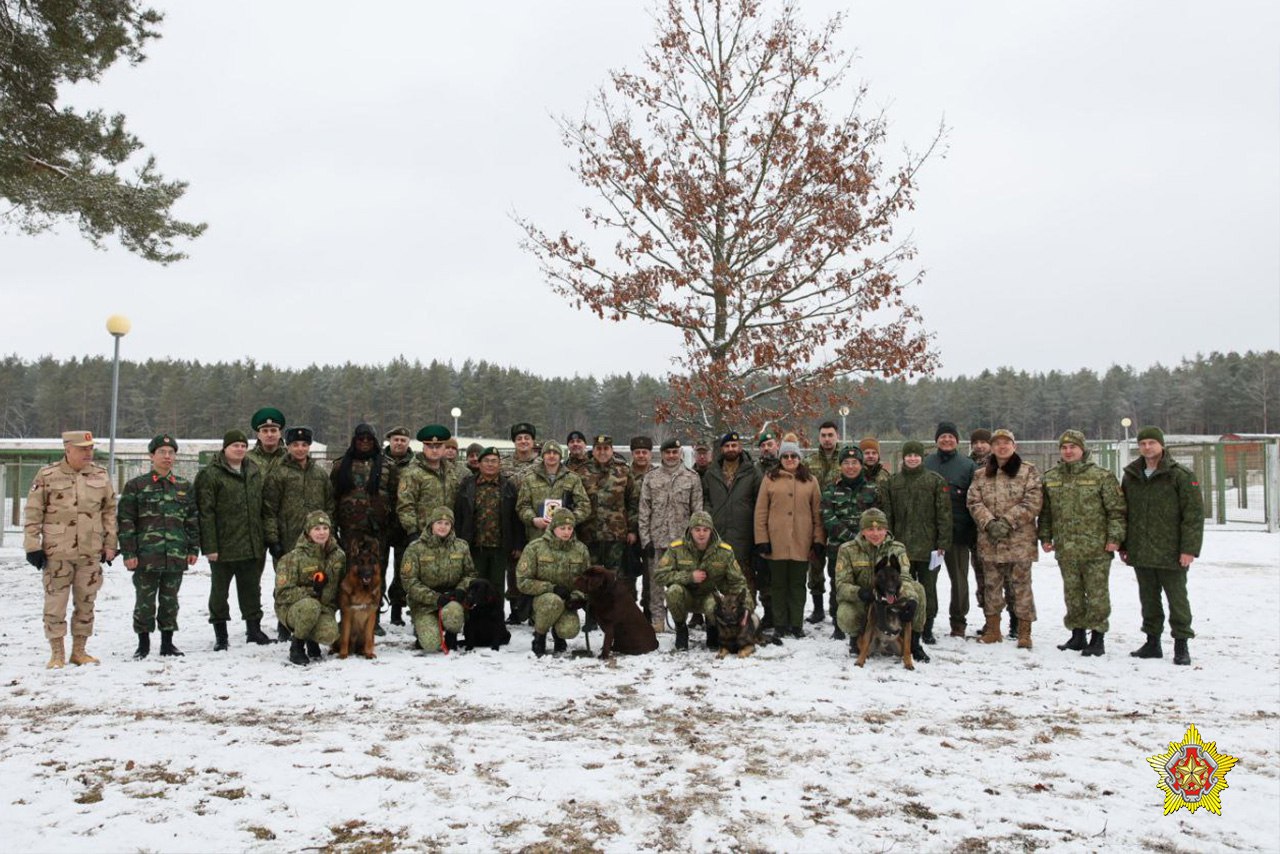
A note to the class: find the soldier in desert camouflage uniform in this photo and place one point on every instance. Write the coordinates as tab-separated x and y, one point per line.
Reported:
159	539
307	581
437	571
1082	522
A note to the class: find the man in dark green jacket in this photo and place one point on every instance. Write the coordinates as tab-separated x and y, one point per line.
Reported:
729	490
957	470
1162	539
916	503
229	497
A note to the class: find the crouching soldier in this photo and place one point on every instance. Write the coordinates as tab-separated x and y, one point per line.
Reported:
546	572
855	580
692	570
307	582
436	572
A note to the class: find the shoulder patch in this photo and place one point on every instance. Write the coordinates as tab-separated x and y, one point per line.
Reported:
675	543
724	545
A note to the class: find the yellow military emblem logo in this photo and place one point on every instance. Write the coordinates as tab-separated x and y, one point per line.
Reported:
1192	773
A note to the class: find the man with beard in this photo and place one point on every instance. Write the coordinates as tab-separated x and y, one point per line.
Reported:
729	490
364	488
958	472
578	458
825	462
398	456
872	469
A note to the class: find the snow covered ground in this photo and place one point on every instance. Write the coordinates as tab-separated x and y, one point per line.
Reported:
984	749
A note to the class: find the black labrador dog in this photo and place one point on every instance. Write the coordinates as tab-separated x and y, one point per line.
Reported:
485	625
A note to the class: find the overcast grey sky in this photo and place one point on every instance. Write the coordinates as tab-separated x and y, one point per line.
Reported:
1110	194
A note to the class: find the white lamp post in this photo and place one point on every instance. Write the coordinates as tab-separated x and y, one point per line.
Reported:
844	411
455	412
118	325
1126	423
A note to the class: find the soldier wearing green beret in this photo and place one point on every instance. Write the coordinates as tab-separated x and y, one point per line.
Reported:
428	483
437	571
547	569
159	539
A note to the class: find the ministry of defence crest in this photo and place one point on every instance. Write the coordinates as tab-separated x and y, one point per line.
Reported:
1192	773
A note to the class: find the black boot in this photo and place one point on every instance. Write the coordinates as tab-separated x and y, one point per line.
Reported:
797	632
766	622
1076	642
927	634
144	646
853	647
682	636
838	634
540	644
713	636
1150	649
917	651
818	614
253	633
397	615
1013	626
220	643
313	651
298	652
450	640
1180	653
282	633
561	645
166	644
1096	645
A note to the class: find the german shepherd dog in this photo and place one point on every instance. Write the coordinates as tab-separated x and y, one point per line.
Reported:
614	608
886	631
484	625
359	598
738	626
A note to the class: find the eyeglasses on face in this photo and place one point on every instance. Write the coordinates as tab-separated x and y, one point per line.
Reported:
790	457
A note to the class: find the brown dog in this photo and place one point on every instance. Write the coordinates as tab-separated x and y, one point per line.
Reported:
359	597
738	626
886	630
613	605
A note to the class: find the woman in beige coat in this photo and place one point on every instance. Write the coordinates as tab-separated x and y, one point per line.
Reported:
789	528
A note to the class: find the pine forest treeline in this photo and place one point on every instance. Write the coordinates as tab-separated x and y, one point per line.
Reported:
1214	394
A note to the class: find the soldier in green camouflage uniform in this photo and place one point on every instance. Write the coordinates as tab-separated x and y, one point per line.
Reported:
399	457
429	483
159	539
855	579
550	480
307	581
692	570
579	454
872	469
843	504
526	455
229	498
293	489
267	454
612	524
547	569
437	571
1162	539
1082	522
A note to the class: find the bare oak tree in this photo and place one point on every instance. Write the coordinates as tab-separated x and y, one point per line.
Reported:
745	216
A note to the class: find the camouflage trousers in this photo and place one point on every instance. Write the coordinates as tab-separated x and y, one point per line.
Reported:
681	600
1018	577
310	621
851	617
980	584
148	587
549	613
1173	583
429	623
657	593
247	575
818	574
77	580
1087	593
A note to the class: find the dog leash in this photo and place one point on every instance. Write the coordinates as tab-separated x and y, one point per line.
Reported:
444	647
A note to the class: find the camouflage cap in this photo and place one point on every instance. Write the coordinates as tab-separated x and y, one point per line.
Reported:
316	517
397	431
602	439
702	445
78	438
549	447
523	427
1072	437
475	448
851	453
267	416
643	443
913	447
1003	433
562	517
164	440
870	443
1151	433
701	519
297	434
433	434
873	518
440	513
232	436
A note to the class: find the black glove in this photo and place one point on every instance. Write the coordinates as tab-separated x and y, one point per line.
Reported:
562	591
865	594
276	551
37	558
908	610
817	552
445	598
649	552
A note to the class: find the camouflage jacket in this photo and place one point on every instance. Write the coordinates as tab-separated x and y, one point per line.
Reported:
296	569
435	565
682	558
918	505
613	494
399	464
70	514
668	497
877	474
1083	510
842	505
856	565
289	493
158	523
579	465
267	462
825	467
548	562
536	488
1166	514
230	509
519	468
1014	494
358	512
421	490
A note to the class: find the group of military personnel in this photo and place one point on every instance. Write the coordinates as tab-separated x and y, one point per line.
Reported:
532	522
